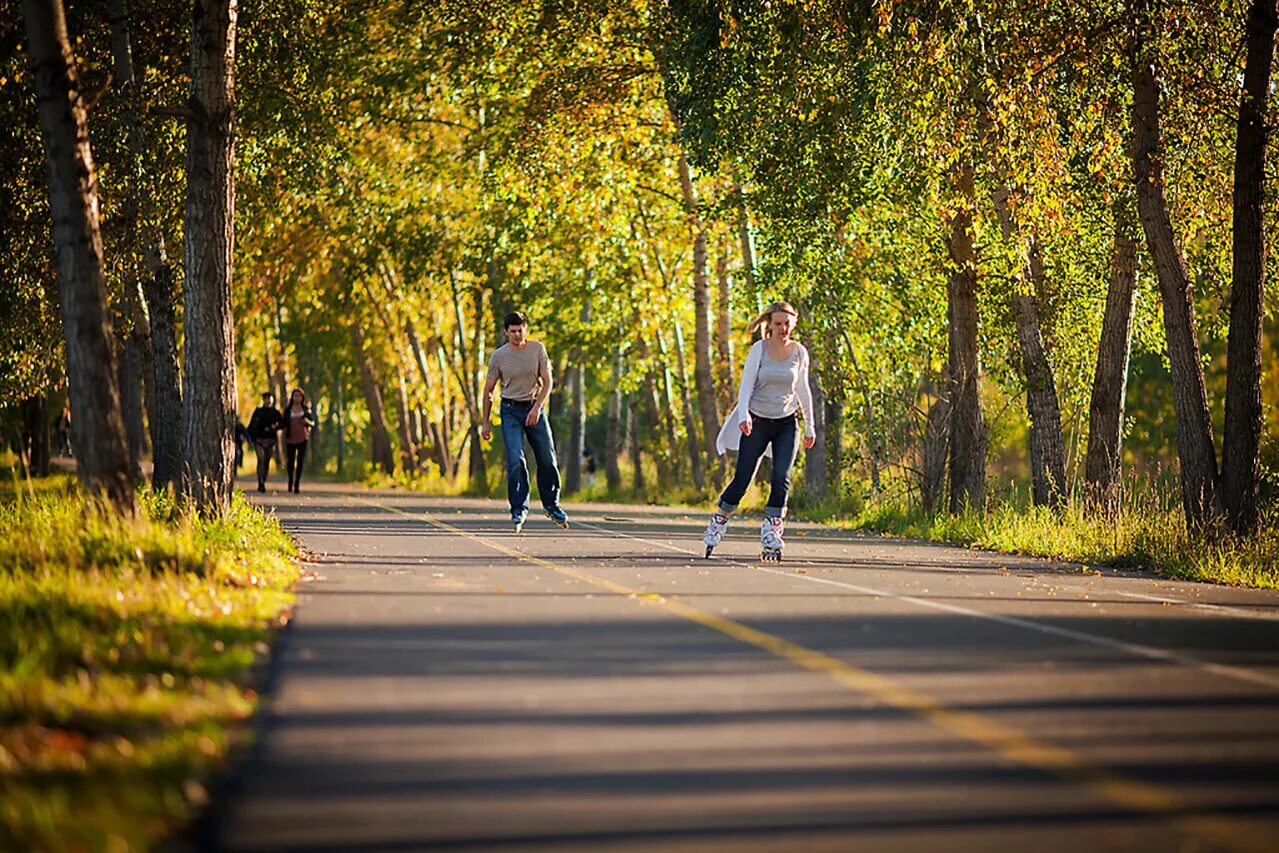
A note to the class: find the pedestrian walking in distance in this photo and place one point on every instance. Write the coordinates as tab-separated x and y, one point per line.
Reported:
298	421
263	426
524	370
774	390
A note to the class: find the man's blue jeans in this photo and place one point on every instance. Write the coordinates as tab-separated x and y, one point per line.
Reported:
539	438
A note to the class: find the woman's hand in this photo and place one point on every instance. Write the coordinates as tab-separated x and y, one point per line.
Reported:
745	426
486	432
809	441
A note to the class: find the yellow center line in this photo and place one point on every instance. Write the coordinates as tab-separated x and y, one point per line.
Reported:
1009	742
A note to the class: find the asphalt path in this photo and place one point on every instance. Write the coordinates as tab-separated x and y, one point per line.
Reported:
447	684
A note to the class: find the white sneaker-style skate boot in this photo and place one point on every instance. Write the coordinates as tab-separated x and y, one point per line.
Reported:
715	530
770	539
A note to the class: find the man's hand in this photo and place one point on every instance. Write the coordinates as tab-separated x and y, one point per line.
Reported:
745	426
809	441
533	414
486	431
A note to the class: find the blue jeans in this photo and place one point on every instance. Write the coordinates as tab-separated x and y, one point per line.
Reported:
539	436
782	434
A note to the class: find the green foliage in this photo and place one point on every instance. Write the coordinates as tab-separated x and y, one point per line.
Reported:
126	654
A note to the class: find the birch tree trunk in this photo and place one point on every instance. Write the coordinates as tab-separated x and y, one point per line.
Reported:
703	373
690	417
436	428
380	448
1241	448
1110	380
210	414
724	328
663	452
1200	494
615	430
102	453
637	456
403	414
816	475
968	430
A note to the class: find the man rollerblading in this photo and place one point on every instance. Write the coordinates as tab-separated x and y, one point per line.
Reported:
524	371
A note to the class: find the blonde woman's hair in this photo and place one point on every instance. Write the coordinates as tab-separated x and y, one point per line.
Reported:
762	321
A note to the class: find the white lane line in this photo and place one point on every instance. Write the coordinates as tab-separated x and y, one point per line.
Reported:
1238	611
1150	652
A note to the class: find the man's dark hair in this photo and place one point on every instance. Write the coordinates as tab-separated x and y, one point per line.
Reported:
515	318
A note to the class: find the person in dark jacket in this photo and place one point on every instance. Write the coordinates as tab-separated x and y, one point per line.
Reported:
241	436
263	426
297	424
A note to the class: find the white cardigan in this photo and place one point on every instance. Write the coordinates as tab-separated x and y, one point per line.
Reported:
730	435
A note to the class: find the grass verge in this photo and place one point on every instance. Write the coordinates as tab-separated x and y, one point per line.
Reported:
126	650
1141	537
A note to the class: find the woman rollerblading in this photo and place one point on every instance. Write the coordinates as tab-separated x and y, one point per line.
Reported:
774	390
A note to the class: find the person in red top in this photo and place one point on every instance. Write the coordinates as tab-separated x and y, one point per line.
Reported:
298	422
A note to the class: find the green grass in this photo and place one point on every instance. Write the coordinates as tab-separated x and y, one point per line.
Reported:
1139	535
127	648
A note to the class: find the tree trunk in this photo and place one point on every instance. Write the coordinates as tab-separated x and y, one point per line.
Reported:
967	429
637	457
1201	497
748	250
936	440
575	405
703	373
834	423
1110	380
690	417
101	448
614	433
816	476
1241	448
1047	456
574	417
166	428
35	435
653	398
161	361
436	429
1047	450
381	454
724	328
875	448
403	414
130	378
210	414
